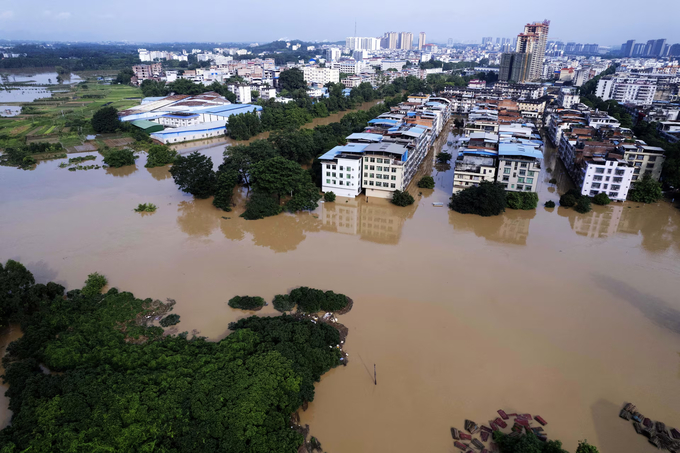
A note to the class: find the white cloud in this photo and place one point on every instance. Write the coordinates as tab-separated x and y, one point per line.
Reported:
62	16
6	15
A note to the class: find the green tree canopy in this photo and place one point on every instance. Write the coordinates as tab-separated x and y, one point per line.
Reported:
160	155
105	120
278	176
292	79
646	190
194	174
486	199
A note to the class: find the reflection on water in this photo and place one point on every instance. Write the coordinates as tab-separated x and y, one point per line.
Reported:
40	78
23	94
512	227
7	335
197	217
122	172
160	173
377	220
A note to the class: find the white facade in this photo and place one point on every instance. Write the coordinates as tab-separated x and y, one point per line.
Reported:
179	120
342	177
321	76
333	54
267	93
612	177
357	43
568	98
627	90
242	92
392	64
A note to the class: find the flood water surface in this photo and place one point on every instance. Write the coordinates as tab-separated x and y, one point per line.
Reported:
548	312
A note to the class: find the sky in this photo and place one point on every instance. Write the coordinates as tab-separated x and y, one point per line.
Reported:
605	22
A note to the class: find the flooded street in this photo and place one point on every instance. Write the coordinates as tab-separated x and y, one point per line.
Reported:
548	312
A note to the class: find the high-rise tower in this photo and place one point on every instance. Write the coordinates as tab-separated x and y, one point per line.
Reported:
421	40
533	41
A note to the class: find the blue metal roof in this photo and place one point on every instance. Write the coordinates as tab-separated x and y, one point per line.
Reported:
478	152
519	149
178	131
170	115
348	148
383	121
230	109
365	136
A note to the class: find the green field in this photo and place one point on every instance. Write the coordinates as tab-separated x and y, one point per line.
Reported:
65	114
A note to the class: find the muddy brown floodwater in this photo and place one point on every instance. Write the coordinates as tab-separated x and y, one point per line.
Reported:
548	312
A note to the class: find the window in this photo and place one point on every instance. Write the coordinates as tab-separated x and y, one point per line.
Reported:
520	179
599	170
365	175
597	178
370	183
593	193
508	164
506	171
596	185
378	168
616	187
520	187
618	179
523	165
328	173
378	176
334	174
348	176
333	167
340	175
340	182
530	180
506	178
650	165
523	172
394	170
392	186
372	167
605	186
386	161
528	188
635	177
394	178
531	173
613	195
638	164
372	159
386	184
640	157
620	172
631	157
340	167
609	171
328	181
484	171
334	182
652	159
636	171
372	175
607	178
380	161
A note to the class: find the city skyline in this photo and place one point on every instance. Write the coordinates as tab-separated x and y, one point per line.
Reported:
129	21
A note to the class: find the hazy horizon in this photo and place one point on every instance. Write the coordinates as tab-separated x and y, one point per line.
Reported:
264	21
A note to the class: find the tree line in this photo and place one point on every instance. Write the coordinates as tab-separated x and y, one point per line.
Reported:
120	384
271	169
72	56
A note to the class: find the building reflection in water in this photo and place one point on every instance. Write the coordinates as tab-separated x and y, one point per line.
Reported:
511	227
377	220
657	223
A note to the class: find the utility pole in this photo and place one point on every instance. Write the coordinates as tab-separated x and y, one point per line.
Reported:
375	377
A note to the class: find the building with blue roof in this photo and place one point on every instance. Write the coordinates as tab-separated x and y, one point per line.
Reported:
361	137
519	164
188	133
341	169
223	112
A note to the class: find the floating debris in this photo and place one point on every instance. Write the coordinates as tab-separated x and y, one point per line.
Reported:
486	428
540	420
461	445
656	432
485	436
477	444
471	426
503	415
454	434
464	436
437	204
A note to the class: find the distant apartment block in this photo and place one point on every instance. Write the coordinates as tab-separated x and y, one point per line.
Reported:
626	89
321	76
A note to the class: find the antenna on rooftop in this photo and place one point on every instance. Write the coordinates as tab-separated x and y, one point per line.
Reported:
355	28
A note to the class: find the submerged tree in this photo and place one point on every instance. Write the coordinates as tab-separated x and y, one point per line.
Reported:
486	199
194	174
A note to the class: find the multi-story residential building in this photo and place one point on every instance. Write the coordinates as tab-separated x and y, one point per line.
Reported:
472	167
390	40
341	170
405	40
568	97
321	76
626	90
533	42
421	40
352	81
242	92
598	119
519	164
333	54
386	65
646	160
357	43
515	67
147	71
385	168
349	67
608	174
562	120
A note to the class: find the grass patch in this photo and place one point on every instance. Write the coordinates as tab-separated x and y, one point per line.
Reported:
146	207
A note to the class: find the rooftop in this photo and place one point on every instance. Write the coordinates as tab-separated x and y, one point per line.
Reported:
348	148
519	149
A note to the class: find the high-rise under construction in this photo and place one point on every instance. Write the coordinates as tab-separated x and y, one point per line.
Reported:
533	41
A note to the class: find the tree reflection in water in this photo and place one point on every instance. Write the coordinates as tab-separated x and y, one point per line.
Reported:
511	227
160	173
122	172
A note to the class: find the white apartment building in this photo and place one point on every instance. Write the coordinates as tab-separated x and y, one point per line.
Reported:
472	167
341	170
333	54
392	64
267	93
242	92
357	43
384	169
627	90
321	76
599	119
350	66
568	98
611	176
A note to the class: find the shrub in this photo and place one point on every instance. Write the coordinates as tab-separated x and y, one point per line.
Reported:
146	207
226	181
194	174
28	161
170	320
312	300
160	155
94	284
329	197
486	199
246	302
549	204
646	190
602	199
522	200
567	200
553	181
105	120
119	158
583	205
259	206
402	198
283	303
584	447
426	182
